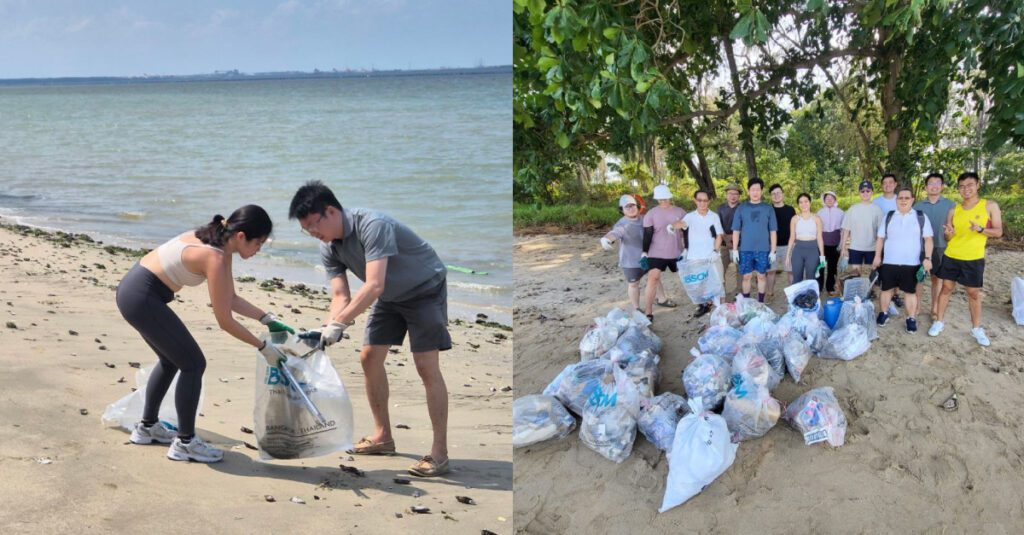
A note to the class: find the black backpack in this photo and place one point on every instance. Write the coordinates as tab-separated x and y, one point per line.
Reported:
920	224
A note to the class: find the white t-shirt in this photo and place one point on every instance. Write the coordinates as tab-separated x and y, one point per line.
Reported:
863	220
903	239
702	244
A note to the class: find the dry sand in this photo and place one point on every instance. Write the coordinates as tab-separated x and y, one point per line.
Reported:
99	483
907	465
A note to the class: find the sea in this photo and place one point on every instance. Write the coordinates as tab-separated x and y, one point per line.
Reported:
135	164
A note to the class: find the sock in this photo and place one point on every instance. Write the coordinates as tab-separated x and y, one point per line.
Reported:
147	425
760	297
185	439
746	294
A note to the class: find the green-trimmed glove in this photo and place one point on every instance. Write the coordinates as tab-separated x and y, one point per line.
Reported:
275	325
644	263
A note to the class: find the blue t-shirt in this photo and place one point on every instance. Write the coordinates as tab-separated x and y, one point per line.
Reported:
754	222
887	205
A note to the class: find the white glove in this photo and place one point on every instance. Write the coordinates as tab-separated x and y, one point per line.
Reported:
331	334
606	244
683	257
735	256
821	259
273	355
671	228
772	257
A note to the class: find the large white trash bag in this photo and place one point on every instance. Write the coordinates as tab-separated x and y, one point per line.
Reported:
538	418
818	416
609	416
127	411
701	451
284	427
1017	292
700	280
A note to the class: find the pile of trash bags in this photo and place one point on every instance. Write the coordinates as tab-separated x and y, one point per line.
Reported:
739	360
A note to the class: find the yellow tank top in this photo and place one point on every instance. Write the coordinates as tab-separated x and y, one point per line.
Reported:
967	244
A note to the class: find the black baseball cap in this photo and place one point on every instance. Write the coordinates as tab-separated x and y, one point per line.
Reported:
866	184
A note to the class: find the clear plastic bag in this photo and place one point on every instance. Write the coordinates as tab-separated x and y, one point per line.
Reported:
1017	297
700	280
817	415
708	377
127	411
861	313
701	451
750	411
610	415
765	335
642	369
797	353
577	381
624	319
749	309
636	340
847	343
659	417
283	426
804	295
537	418
750	365
599	339
726	315
720	340
814	331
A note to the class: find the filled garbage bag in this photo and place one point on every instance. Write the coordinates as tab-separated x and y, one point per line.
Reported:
817	415
700	280
127	411
577	381
750	365
765	335
599	339
701	451
536	418
609	416
1017	296
814	331
708	377
726	314
750	411
847	343
659	417
623	319
284	427
861	313
797	353
750	308
636	340
720	340
804	295
641	368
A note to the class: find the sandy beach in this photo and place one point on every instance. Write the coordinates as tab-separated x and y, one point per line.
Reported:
66	349
907	465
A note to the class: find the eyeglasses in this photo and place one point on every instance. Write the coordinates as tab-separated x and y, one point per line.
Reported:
904	198
314	228
702	200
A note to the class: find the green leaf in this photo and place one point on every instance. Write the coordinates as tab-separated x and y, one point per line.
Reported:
579	43
562	139
545	63
1020	70
642	87
610	33
815	5
596	103
609	59
762	27
742	28
536	6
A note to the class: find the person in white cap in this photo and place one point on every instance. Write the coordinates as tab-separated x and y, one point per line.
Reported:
629	232
831	233
704	234
661	248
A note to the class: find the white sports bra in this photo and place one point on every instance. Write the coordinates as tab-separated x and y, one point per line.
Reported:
806	229
170	261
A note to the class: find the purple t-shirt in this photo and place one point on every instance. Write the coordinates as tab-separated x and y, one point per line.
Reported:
663	244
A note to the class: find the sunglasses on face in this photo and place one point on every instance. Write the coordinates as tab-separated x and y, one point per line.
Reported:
866	191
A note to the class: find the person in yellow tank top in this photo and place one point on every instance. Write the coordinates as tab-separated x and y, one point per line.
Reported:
968	227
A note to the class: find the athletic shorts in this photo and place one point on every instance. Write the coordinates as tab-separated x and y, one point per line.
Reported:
780	258
902	277
633	274
662	264
751	261
938	254
424	317
861	257
967	273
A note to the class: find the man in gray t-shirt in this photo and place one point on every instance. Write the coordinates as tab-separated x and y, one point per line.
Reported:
936	207
405	282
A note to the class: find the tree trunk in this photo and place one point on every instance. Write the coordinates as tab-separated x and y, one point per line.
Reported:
746	128
891	105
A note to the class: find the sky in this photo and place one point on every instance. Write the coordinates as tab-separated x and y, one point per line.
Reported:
57	38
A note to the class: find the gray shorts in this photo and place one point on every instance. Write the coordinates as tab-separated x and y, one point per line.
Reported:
424	317
633	274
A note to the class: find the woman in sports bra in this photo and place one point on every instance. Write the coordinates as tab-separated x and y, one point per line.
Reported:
806	252
205	254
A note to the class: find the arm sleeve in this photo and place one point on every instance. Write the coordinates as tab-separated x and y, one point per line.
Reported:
332	265
648	237
378	239
927	231
773	222
618	231
717	224
737	220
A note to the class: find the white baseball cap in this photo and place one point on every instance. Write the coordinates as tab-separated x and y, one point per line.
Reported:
662	192
626	199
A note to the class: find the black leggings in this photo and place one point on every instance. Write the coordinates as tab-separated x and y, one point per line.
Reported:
142	299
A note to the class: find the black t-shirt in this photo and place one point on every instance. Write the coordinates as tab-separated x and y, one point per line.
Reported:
783	216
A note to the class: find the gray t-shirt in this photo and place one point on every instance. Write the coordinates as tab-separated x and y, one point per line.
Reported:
862	220
937	215
631	241
413	266
754	222
725	213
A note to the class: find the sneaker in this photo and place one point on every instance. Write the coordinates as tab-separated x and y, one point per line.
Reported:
704	308
155	433
911	325
936	328
979	335
197	450
882	318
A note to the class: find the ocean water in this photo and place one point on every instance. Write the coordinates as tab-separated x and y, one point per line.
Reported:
135	164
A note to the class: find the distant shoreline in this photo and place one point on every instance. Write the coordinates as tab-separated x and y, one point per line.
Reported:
236	76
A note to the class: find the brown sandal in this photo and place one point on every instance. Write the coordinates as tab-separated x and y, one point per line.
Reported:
428	467
365	446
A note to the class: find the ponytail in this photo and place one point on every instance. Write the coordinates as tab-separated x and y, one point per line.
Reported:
250	219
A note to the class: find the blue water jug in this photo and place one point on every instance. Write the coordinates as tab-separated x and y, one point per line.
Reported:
832	309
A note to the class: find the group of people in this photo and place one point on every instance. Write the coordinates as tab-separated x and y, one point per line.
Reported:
890	238
403	280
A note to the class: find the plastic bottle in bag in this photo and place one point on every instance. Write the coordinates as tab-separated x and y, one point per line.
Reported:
637	340
750	365
536	418
817	415
577	381
720	340
659	417
599	339
750	411
624	319
726	315
861	313
708	377
701	451
641	368
610	415
847	343
797	353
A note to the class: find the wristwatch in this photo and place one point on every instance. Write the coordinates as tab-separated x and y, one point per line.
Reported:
928	258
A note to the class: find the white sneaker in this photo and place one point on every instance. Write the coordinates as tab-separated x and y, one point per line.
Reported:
155	433
936	328
979	335
197	450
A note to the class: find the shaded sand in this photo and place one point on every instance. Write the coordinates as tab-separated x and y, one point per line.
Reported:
907	465
98	483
